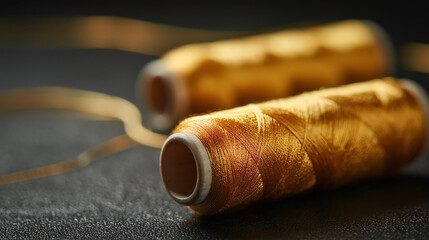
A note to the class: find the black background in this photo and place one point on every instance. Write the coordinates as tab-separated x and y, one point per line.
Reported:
122	195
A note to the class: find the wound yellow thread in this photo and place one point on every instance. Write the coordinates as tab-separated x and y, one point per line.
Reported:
201	78
323	139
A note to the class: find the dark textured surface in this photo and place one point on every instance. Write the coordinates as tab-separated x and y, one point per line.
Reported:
122	196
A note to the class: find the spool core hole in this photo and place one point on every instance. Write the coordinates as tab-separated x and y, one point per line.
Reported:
158	93
179	170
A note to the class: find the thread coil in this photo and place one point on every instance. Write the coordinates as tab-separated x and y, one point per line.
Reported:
323	139
230	73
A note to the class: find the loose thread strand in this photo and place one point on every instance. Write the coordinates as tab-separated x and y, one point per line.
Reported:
92	104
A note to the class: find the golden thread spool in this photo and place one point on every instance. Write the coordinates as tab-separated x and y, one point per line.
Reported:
201	78
322	139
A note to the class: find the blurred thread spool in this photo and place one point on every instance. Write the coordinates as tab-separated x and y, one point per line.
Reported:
322	139
201	78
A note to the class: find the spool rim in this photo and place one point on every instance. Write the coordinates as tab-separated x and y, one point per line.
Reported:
175	99
384	47
203	168
422	97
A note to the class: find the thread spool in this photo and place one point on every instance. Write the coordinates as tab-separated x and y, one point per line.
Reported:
190	165
207	77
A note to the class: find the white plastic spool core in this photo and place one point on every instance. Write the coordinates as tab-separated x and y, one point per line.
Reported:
162	96
185	169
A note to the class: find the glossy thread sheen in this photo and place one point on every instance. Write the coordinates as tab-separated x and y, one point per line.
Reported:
231	73
322	139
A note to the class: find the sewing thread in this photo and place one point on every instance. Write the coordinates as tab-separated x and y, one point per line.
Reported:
201	78
323	139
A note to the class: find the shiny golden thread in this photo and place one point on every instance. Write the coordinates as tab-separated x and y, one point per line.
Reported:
100	32
322	139
267	151
277	65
